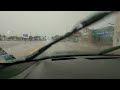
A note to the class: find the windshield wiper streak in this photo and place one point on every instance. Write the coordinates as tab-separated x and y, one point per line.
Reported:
109	50
82	25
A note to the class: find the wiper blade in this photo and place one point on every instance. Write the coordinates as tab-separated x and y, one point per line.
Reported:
55	57
82	25
16	62
108	50
22	60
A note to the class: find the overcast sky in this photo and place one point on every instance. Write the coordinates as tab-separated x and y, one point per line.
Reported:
45	23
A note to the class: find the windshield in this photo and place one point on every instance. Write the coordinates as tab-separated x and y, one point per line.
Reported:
24	32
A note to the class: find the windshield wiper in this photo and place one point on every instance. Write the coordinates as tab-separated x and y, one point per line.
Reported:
108	50
59	57
82	25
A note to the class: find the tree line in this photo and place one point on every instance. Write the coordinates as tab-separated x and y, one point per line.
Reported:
17	38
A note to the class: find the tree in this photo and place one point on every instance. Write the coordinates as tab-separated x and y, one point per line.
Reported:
55	37
13	38
4	37
30	38
0	37
43	38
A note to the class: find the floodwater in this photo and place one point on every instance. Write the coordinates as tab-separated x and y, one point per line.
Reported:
22	48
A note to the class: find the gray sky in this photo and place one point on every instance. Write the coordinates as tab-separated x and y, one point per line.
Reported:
46	23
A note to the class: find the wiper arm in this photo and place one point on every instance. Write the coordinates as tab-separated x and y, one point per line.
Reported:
82	25
57	57
108	50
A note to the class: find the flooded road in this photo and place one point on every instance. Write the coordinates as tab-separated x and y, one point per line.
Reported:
22	48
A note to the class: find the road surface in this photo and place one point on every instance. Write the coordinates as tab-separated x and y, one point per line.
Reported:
22	48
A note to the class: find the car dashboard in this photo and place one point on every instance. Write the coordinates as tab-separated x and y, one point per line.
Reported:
75	67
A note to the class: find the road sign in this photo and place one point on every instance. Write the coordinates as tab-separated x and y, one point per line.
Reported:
8	57
2	52
5	55
25	36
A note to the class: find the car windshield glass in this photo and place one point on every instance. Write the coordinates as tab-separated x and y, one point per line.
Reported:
24	32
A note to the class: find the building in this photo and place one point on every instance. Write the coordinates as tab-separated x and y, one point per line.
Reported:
81	36
103	35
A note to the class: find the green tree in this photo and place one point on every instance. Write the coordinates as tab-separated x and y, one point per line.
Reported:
0	37
30	38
